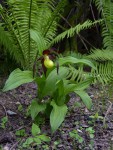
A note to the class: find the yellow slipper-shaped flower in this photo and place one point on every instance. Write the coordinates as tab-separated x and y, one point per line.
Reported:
48	63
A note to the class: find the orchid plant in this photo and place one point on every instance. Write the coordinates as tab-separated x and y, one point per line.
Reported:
55	85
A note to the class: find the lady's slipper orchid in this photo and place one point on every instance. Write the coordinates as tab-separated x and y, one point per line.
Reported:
47	60
48	63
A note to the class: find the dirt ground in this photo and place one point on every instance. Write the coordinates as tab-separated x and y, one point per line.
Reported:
78	118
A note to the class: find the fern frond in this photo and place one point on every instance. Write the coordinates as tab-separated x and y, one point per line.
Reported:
99	5
76	74
22	17
70	32
103	73
101	55
105	7
7	41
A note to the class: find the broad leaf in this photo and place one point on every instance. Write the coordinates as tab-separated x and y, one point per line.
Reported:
36	108
57	115
85	98
28	142
53	77
17	78
37	140
59	95
35	130
71	86
44	138
73	60
41	83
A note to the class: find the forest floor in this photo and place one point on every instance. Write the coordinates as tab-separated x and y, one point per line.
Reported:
13	104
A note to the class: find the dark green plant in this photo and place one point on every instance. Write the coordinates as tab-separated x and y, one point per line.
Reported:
90	131
30	27
55	86
20	133
105	8
102	58
95	118
35	139
4	121
75	135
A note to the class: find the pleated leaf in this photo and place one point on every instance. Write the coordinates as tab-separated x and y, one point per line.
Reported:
17	78
57	115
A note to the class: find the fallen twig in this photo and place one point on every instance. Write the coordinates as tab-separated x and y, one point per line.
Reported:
4	109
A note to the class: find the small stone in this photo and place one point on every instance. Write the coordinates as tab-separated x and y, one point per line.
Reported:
85	126
6	148
11	113
60	145
18	103
79	131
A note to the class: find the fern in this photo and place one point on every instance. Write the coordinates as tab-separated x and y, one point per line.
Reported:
101	55
70	32
102	58
32	27
6	39
103	73
105	7
24	16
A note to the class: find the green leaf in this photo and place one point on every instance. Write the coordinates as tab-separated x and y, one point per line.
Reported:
53	77
37	140
44	138
71	86
85	98
60	85
20	132
36	108
41	83
39	39
17	78
59	95
28	142
73	60
57	115
35	130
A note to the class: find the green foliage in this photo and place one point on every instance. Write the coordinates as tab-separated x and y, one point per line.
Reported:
75	135
17	78
57	115
105	7
91	132
101	55
70	32
36	139
101	72
73	60
103	58
35	130
36	108
20	19
30	27
55	86
96	117
4	120
85	98
20	108
52	78
20	132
